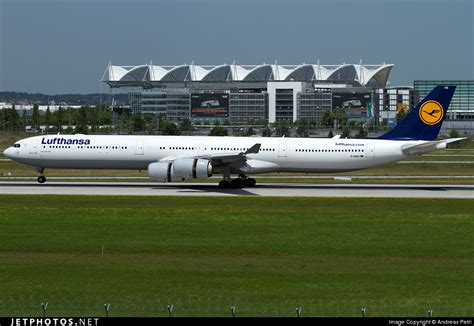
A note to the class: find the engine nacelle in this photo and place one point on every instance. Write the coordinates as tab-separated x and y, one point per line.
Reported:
159	171
180	169
202	169
183	168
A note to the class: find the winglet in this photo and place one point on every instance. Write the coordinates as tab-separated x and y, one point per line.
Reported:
254	149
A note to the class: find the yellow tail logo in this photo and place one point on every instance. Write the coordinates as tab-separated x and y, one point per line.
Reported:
431	112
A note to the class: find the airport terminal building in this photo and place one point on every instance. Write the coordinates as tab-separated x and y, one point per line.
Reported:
243	93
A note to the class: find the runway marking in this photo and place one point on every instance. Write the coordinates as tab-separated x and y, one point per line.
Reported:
435	162
316	177
271	190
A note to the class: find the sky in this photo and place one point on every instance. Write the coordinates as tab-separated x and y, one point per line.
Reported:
64	46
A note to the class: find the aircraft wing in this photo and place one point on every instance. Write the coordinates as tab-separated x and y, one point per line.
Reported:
219	159
428	146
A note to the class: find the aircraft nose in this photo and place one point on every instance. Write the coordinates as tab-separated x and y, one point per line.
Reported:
8	152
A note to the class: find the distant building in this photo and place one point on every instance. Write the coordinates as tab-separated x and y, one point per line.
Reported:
388	101
462	104
26	110
172	103
242	93
461	109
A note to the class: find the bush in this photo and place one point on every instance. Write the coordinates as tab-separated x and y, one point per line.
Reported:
218	131
453	134
169	128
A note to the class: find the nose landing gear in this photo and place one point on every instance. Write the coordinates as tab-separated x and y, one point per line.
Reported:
41	178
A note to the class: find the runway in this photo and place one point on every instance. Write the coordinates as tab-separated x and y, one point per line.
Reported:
262	189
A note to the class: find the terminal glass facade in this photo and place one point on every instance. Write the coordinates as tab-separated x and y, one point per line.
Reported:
312	105
154	103
247	106
284	104
174	104
462	104
178	103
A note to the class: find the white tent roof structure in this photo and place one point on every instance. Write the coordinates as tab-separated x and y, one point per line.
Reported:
367	75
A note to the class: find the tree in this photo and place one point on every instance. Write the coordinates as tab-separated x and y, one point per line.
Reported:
345	133
24	119
335	117
266	132
35	116
453	134
218	131
59	117
340	117
302	129
402	111
328	119
138	123
11	118
47	118
186	125
81	123
169	128
106	116
15	118
282	127
92	117
362	134
249	132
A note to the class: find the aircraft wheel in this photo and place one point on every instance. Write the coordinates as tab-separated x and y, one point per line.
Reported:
223	184
236	183
250	182
41	179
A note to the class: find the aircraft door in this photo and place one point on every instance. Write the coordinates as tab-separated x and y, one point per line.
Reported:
201	150
282	150
33	147
139	150
370	151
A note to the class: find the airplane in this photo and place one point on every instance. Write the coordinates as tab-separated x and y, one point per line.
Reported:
179	158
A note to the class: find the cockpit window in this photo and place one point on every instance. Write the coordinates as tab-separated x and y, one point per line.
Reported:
16	145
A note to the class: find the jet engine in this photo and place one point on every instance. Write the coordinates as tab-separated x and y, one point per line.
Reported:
180	170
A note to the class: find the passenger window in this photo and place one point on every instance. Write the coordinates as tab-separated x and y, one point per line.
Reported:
16	145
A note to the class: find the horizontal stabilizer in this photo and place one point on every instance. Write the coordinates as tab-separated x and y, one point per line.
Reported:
428	146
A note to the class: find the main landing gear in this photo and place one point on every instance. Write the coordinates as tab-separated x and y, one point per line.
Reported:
41	178
240	182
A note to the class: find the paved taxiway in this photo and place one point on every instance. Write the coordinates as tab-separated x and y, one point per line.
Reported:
262	189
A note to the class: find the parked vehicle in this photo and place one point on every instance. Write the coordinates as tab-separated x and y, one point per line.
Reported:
352	104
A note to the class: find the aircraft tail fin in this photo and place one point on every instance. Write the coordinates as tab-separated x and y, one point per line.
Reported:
424	121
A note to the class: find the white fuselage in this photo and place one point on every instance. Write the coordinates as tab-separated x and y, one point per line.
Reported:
275	155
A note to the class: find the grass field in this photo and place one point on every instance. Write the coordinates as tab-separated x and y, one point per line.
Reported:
267	256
